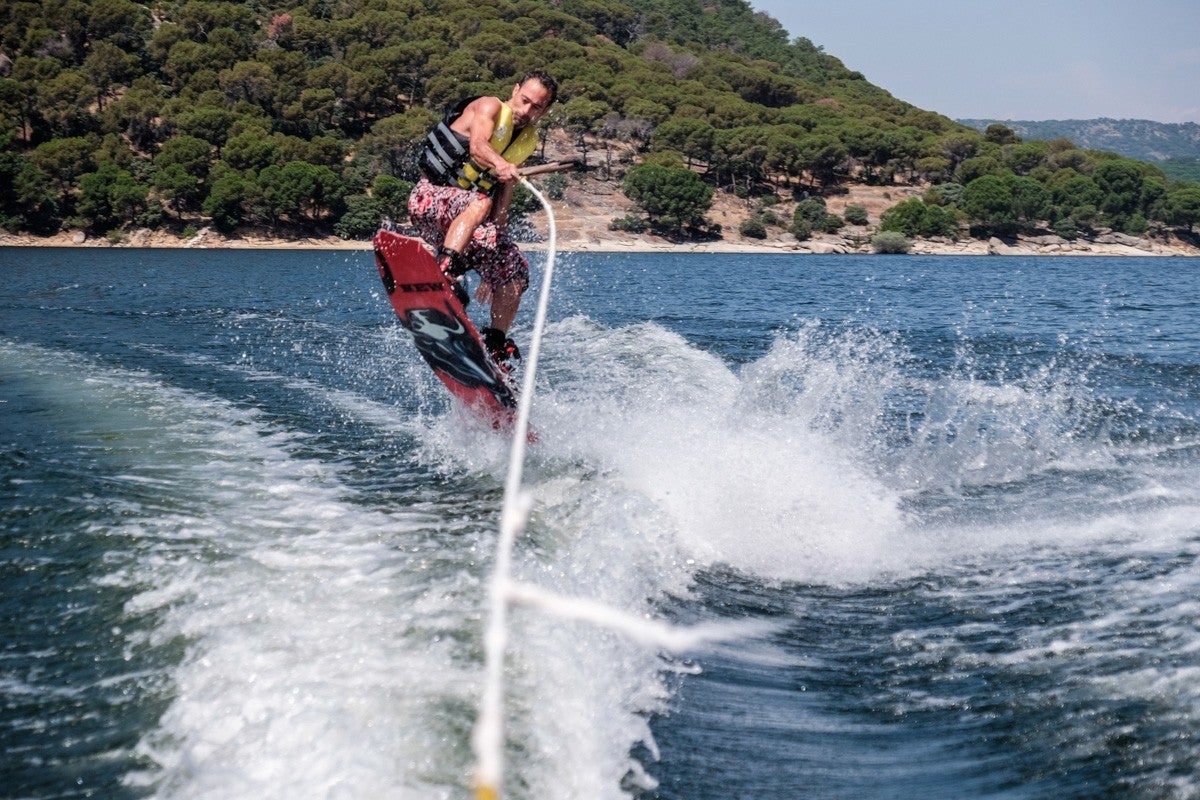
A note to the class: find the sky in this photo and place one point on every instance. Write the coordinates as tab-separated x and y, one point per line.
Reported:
1015	59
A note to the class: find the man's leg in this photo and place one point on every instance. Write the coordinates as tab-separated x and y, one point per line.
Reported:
506	274
505	302
464	225
458	235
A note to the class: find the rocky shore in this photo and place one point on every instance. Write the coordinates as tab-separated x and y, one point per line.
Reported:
577	240
588	207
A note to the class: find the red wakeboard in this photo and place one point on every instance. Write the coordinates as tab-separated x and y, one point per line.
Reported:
444	334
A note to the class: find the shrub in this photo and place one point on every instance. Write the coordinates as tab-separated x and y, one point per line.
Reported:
856	215
944	194
1067	229
753	228
630	223
811	209
802	229
891	242
832	223
556	186
1136	225
916	218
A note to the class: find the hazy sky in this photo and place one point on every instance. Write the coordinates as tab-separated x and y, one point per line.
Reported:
1015	59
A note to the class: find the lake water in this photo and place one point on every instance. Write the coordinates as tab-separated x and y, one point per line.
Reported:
245	537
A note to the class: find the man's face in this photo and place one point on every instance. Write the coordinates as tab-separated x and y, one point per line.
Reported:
529	101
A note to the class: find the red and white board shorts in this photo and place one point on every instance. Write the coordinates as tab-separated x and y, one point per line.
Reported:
491	253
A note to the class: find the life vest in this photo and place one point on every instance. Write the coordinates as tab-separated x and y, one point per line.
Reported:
446	156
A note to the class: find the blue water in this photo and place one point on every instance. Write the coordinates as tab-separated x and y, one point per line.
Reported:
245	538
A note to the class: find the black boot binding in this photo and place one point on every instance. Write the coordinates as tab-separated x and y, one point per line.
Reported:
455	267
501	348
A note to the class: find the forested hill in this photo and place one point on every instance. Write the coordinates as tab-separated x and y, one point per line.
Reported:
1173	147
277	113
1136	138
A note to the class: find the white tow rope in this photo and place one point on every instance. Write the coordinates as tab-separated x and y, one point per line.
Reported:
488	736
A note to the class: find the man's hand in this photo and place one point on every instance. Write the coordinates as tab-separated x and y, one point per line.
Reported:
509	173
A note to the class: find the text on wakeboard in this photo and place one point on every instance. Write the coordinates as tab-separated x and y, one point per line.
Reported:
421	287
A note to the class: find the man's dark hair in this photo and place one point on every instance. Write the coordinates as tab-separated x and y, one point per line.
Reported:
544	78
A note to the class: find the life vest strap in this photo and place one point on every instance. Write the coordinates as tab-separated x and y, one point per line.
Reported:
443	154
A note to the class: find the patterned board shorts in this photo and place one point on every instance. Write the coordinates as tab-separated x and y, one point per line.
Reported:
490	252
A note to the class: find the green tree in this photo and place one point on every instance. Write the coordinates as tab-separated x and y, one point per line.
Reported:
671	197
958	147
29	203
110	197
581	117
739	156
693	138
362	217
891	243
227	195
812	210
1031	200
120	22
785	155
251	149
988	203
823	155
108	67
977	167
1000	134
190	152
907	217
1184	205
62	102
62	161
186	59
307	191
209	123
753	227
1024	158
392	195
249	81
394	142
1069	189
914	217
1121	181
137	114
177	187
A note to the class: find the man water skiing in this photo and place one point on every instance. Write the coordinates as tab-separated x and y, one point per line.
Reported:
470	162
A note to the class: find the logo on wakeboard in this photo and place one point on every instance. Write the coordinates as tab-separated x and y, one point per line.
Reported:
449	347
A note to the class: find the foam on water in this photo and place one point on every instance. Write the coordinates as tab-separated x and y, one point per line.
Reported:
730	478
825	461
320	638
323	639
796	469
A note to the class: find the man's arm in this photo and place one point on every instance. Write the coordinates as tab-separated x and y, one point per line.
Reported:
480	119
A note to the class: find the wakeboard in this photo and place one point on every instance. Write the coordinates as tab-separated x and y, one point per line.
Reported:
443	333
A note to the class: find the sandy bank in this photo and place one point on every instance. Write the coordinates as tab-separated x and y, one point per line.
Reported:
584	240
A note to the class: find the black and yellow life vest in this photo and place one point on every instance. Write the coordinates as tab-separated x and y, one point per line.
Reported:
446	157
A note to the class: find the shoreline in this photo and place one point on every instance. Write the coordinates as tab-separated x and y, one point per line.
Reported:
1109	244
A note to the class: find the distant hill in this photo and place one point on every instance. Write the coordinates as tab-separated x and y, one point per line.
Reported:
1133	138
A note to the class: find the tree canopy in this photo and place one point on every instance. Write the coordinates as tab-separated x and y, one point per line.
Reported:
115	114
